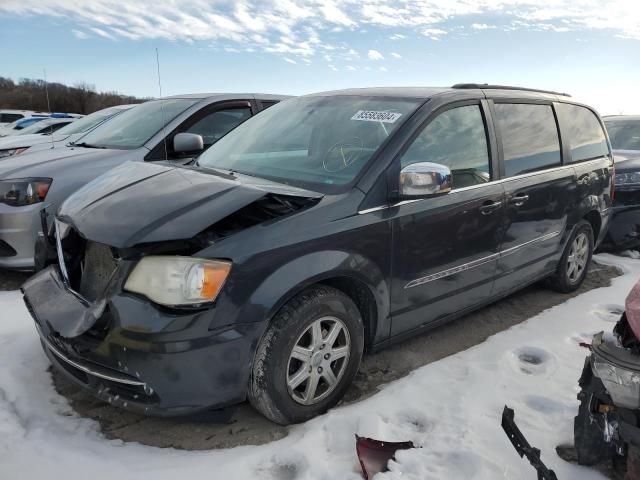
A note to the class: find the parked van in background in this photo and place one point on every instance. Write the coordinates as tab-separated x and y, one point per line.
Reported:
174	129
329	224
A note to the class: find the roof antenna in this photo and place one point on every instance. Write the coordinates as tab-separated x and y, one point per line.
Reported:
46	91
164	134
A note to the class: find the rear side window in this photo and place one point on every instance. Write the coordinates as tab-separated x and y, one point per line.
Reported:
55	127
624	134
529	135
585	134
456	138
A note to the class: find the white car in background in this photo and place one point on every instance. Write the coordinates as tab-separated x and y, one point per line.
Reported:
45	126
29	141
8	116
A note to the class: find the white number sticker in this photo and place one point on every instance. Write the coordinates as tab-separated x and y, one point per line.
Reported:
373	116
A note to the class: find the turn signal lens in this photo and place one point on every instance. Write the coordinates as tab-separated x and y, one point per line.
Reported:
205	280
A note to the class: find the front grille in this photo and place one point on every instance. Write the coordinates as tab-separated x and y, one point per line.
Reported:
97	269
86	266
6	250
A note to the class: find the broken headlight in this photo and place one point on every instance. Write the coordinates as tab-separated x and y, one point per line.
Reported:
174	281
24	191
622	384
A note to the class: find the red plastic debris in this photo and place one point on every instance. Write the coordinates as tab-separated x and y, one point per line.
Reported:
632	308
374	455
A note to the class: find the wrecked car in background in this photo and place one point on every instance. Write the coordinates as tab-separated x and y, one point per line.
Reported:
608	420
325	225
174	128
624	230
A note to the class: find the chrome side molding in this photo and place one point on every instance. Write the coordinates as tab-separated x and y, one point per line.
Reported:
476	263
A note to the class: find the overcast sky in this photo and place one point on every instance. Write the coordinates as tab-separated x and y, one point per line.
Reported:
590	48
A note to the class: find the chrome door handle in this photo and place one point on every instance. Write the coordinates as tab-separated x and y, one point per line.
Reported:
489	208
519	200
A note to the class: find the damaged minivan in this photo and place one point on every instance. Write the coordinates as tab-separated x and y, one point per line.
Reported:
325	226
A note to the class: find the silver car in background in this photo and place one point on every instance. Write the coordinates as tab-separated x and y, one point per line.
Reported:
173	129
29	142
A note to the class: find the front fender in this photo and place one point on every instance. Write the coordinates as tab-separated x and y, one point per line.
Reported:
294	276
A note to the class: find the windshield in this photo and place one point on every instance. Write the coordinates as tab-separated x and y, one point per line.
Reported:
134	128
87	123
312	142
624	134
19	125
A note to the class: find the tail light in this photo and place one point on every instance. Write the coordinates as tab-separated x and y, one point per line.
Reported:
612	192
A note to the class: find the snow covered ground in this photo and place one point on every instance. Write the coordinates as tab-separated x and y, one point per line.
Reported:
450	408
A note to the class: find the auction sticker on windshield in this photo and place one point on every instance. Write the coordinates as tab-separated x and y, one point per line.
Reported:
373	116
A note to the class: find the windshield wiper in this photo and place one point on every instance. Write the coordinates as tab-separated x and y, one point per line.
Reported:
216	171
85	145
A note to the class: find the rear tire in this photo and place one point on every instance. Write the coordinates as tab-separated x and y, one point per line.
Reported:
307	357
575	261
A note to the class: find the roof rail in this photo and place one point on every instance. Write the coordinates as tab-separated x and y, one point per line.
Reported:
486	86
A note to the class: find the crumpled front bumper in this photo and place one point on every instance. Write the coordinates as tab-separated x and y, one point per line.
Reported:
137	356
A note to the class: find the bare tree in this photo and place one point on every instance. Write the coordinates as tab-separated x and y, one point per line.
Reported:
29	94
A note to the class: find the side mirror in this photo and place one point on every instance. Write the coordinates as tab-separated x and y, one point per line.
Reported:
424	179
187	143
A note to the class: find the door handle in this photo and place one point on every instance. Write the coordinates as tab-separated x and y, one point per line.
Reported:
489	207
519	200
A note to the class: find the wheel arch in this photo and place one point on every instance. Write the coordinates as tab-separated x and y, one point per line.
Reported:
359	278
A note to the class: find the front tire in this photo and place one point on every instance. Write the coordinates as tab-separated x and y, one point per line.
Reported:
575	260
308	356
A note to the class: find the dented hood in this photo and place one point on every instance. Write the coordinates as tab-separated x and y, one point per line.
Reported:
141	203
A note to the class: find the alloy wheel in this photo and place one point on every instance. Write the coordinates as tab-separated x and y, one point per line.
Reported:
318	360
578	257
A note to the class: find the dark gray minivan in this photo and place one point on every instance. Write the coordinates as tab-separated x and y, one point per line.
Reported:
326	225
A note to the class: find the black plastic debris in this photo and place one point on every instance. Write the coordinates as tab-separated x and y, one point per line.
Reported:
522	446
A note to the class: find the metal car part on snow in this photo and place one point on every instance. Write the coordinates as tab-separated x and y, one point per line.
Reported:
608	420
